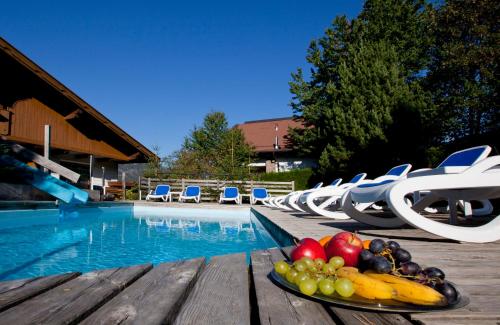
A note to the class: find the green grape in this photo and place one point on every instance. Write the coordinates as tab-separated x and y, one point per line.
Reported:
344	287
328	269
319	263
326	287
300	266
290	275
308	287
281	267
301	276
337	262
313	268
319	277
307	260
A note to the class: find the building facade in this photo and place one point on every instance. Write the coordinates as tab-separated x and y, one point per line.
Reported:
270	142
36	110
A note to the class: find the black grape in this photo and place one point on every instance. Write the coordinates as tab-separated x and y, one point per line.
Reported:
410	268
366	256
402	255
448	291
365	259
377	245
392	245
434	272
381	265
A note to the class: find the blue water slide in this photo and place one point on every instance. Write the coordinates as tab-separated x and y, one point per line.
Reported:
46	183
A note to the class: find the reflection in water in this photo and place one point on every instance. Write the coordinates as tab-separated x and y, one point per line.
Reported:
163	224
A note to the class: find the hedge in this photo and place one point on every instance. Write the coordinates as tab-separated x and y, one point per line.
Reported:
300	176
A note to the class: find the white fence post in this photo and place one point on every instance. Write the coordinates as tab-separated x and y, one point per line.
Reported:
123	187
140	192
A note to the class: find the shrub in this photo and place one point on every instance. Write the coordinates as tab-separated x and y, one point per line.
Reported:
300	176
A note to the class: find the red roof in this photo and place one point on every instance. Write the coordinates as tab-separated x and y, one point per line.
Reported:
262	133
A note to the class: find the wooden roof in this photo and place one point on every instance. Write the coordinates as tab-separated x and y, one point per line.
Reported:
121	145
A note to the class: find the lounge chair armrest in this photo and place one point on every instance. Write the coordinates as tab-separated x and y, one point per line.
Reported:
387	177
484	165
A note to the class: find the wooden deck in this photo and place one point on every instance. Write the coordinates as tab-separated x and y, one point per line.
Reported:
227	291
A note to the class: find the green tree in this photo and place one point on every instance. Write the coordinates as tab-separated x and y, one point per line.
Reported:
363	97
311	100
464	73
213	148
154	164
405	25
375	114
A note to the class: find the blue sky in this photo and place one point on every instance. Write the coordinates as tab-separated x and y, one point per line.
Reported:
156	68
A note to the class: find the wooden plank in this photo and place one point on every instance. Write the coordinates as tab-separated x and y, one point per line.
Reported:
74	300
474	321
75	114
221	294
16	291
480	307
349	316
277	306
155	298
42	161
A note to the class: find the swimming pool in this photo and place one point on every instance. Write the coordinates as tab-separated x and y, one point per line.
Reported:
45	241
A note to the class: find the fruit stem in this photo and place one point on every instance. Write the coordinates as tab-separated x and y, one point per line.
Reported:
387	253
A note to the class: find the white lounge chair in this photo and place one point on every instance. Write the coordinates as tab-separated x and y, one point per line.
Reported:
298	201
192	192
481	182
324	201
279	202
269	202
259	194
462	166
160	192
230	194
356	200
282	203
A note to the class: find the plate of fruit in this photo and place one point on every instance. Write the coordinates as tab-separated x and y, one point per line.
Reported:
371	274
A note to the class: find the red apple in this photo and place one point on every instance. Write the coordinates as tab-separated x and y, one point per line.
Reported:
346	247
350	238
310	248
308	240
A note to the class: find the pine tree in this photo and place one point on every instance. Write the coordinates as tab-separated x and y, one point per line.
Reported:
464	74
363	96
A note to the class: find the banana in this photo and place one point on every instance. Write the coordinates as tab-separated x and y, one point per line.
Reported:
410	291
365	286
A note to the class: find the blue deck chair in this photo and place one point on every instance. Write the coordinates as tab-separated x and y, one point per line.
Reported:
259	194
160	192
192	192
230	194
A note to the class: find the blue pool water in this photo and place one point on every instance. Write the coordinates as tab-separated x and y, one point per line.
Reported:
44	242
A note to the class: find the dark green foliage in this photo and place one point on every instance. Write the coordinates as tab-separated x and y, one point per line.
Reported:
404	24
132	193
363	102
464	74
402	82
301	177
